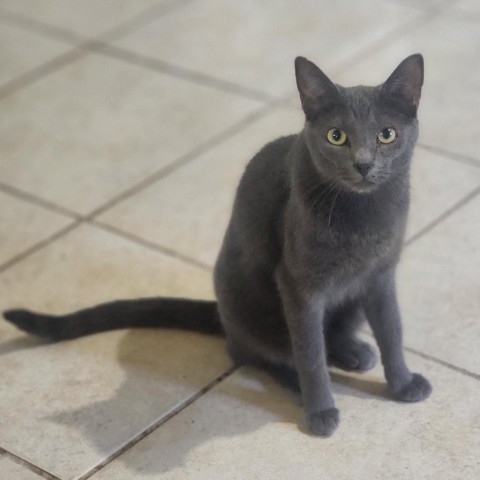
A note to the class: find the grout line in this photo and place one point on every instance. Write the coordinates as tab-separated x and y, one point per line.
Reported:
164	171
443	363
431	358
157	65
86	47
38	201
39	27
443	216
449	154
184	159
26	464
38	246
161	421
151	245
386	40
143	18
37	73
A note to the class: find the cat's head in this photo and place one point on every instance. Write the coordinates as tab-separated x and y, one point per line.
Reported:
361	137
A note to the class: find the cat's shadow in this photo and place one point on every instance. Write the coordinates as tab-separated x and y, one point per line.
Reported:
135	404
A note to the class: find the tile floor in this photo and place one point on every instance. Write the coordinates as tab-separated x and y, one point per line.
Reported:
124	129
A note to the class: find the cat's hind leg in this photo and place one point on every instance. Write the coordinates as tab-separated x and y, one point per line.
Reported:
344	349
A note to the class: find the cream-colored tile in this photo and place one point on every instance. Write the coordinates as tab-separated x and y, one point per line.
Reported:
450	101
22	51
24	225
437	185
188	211
97	126
11	470
89	17
254	43
248	427
439	288
68	406
467	9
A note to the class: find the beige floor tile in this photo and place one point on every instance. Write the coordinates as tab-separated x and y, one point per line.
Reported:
467	8
450	101
254	43
89	17
12	471
24	225
439	287
91	130
248	427
66	407
189	210
22	51
438	183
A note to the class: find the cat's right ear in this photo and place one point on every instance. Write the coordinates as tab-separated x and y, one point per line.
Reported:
317	92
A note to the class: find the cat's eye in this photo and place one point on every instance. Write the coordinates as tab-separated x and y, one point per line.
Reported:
336	136
387	135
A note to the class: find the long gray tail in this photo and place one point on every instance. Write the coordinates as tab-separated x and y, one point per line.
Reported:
196	315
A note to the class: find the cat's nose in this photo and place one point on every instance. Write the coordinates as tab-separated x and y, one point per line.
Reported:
363	167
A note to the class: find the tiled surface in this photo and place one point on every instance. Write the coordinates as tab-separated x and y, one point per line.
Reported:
9	469
68	406
25	225
201	193
248	427
89	130
88	17
439	284
22	51
98	126
227	40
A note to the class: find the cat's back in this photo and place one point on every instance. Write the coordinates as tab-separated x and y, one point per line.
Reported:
260	201
264	185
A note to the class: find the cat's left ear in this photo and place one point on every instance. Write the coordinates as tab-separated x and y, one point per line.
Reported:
405	83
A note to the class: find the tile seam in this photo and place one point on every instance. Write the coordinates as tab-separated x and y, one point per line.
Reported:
158	423
79	48
151	245
184	159
28	465
431	358
451	155
39	245
445	364
132	190
37	201
443	216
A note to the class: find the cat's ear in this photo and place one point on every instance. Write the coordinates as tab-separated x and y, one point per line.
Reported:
405	83
316	90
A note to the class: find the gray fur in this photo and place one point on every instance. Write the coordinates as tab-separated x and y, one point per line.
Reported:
312	244
311	249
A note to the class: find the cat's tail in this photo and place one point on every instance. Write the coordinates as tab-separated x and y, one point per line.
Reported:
196	315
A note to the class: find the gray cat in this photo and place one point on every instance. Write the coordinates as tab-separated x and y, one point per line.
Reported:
311	249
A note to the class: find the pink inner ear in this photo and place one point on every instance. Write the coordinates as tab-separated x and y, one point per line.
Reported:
407	80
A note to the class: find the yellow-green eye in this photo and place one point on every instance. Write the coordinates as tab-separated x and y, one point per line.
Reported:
336	136
387	135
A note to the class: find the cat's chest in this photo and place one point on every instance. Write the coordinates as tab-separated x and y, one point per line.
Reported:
328	260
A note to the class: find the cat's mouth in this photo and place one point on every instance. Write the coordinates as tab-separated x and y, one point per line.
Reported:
364	185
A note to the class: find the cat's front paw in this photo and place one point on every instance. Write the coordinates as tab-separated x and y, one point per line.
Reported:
352	355
323	423
416	390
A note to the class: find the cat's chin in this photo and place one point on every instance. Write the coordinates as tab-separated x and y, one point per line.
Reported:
363	186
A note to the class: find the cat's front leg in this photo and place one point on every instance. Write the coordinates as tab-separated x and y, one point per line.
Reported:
305	314
383	313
